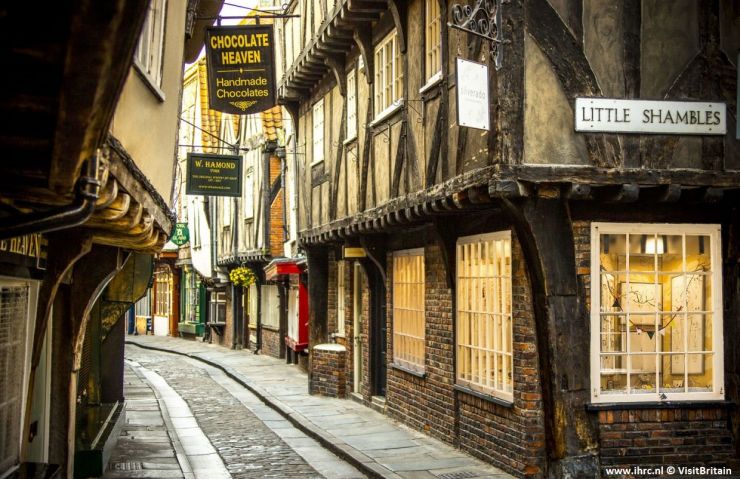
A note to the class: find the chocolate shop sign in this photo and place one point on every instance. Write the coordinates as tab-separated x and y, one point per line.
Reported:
646	116
241	76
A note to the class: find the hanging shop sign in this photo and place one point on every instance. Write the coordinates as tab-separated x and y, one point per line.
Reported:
29	250
181	234
214	175
648	116
472	94
241	68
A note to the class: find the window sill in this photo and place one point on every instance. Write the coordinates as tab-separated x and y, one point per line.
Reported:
314	163
689	404
149	82
388	112
485	397
433	81
418	374
352	139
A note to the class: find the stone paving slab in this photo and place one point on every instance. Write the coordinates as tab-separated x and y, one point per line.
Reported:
375	444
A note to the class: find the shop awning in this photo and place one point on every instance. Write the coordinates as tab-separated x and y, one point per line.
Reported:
284	266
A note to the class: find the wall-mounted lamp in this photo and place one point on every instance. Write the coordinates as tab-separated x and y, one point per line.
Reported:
653	244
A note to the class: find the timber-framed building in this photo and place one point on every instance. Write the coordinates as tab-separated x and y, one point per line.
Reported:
551	301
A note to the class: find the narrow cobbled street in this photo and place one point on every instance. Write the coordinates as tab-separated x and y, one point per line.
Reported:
220	430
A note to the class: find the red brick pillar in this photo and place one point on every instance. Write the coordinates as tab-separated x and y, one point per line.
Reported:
328	376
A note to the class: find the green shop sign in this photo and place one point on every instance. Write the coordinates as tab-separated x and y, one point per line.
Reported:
181	234
214	175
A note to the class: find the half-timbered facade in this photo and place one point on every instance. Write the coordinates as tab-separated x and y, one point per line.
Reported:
529	293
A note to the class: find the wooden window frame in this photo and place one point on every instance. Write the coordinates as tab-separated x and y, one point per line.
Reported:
149	55
402	302
675	229
499	343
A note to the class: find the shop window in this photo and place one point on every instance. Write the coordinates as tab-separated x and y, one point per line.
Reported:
484	321
318	132
15	309
656	316
388	75
408	309
433	41
149	57
340	297
163	292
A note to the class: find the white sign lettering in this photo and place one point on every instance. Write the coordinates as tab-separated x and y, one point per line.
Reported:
472	94
646	116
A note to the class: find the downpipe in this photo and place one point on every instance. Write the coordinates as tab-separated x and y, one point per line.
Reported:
88	191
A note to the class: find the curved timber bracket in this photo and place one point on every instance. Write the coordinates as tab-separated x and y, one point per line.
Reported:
399	11
545	232
364	40
337	69
376	250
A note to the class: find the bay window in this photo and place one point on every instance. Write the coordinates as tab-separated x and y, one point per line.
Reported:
656	315
484	319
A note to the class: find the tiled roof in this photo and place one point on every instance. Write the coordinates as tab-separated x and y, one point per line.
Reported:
272	120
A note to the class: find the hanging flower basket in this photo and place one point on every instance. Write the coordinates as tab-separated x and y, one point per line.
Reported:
242	276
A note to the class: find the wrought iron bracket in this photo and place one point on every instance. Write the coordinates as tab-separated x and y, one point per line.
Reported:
484	20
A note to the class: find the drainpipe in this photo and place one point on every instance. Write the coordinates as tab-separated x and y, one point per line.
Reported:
75	214
258	346
234	314
266	196
281	154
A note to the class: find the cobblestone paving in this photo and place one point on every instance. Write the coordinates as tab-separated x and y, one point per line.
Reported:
248	447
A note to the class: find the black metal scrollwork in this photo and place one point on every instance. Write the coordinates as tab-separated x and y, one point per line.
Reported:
482	19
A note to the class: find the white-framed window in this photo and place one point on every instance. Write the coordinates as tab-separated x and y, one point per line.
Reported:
656	312
388	75
352	104
150	50
484	319
433	41
340	297
270	306
318	132
408	308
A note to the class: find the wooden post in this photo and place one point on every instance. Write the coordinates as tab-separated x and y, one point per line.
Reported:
545	232
318	298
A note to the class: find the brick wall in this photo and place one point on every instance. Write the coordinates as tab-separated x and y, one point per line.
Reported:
270	342
277	236
328	376
650	437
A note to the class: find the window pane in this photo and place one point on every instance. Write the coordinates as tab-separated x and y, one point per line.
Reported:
699	372
697	253
408	309
642	373
672	379
613	374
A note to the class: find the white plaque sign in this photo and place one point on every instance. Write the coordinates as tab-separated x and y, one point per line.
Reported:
472	94
647	116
